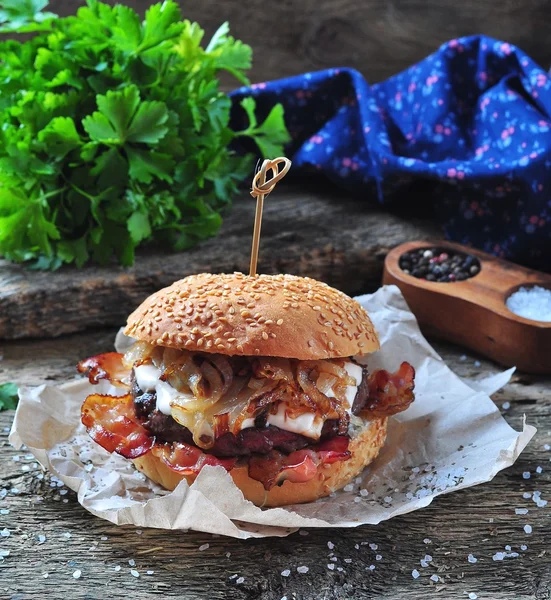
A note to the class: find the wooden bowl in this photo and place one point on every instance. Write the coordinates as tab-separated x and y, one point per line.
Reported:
473	312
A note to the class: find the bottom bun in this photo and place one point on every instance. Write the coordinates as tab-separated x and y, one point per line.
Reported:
364	447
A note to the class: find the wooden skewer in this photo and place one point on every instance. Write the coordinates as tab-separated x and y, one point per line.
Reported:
260	189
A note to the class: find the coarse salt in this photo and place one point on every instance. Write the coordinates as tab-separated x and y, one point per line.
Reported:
302	569
539	470
528	529
506	405
132	562
526	475
134	573
415	573
239	580
472	596
330	545
531	303
204	547
521	511
348	488
472	559
77	574
524	547
434	578
285	573
331	566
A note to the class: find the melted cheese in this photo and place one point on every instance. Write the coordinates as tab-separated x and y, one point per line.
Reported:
147	377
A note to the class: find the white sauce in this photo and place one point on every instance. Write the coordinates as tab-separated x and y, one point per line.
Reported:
147	377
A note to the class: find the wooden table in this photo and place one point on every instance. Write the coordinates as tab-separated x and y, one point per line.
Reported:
51	538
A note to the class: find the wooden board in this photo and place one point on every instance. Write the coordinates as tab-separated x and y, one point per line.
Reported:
377	37
316	231
479	521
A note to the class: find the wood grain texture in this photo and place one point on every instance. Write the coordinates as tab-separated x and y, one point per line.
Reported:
473	312
480	520
319	232
378	37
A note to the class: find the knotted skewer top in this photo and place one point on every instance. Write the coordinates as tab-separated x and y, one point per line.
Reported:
260	189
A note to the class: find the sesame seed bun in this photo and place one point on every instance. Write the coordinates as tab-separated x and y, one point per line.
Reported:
364	447
267	315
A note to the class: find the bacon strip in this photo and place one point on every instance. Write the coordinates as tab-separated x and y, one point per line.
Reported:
186	459
390	393
298	467
105	366
111	422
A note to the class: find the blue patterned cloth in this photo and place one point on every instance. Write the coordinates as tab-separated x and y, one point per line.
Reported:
466	131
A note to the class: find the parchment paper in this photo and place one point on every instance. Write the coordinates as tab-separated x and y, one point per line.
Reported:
452	437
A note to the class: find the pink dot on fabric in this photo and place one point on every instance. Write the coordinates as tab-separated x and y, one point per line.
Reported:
438	128
504	134
447	131
460	175
483	76
346	162
453	43
452	172
534	219
367	129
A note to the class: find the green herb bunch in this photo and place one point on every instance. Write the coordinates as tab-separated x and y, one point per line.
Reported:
114	131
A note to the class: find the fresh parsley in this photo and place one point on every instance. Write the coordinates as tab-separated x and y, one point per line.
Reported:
8	396
114	132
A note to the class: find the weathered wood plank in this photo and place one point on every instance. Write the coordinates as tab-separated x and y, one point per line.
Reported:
481	521
377	37
314	231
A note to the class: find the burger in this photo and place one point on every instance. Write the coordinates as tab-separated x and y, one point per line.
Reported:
258	375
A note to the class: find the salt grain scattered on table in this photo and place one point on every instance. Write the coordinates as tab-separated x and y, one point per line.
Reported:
77	574
285	573
539	470
118	568
472	559
531	303
506	405
132	562
472	596
524	547
302	569
528	528
240	580
203	547
521	511
330	545
415	573
435	578
526	475
134	573
331	566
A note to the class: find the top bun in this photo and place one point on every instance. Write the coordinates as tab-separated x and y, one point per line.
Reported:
266	315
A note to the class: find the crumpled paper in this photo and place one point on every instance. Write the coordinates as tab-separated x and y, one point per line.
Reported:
452	437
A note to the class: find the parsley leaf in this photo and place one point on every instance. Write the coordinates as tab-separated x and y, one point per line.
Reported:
8	396
114	132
